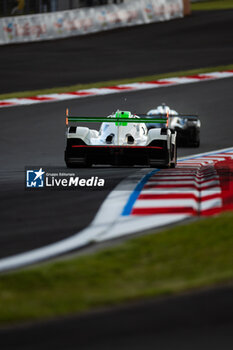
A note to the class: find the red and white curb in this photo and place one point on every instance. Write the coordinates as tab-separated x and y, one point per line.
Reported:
191	189
201	185
23	101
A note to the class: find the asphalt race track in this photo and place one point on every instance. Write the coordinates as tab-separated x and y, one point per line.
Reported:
201	320
34	136
204	39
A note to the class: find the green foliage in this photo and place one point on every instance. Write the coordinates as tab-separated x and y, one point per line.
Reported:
212	5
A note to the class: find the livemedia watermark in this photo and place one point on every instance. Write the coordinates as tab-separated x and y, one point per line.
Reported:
42	178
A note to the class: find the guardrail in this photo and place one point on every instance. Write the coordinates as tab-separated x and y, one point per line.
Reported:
55	25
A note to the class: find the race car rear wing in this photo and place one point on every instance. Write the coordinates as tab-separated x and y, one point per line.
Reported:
137	119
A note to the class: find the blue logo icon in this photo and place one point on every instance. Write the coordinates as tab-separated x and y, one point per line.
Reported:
35	178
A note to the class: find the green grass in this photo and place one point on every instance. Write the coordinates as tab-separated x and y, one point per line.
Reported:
178	259
212	5
112	82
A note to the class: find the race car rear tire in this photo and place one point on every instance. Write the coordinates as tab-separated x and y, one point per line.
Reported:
163	165
173	165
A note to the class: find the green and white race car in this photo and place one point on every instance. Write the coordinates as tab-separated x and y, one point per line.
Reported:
123	139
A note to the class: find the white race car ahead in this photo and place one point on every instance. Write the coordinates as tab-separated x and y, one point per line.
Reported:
187	126
123	139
